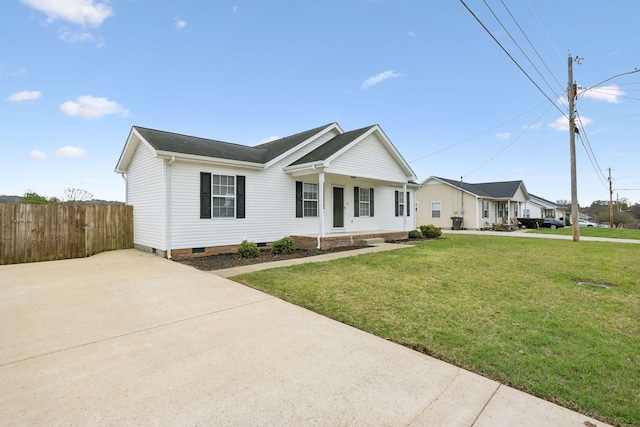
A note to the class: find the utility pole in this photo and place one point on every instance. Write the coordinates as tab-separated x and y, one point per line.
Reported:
572	92
610	200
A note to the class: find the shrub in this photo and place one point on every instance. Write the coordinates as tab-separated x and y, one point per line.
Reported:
415	234
531	223
286	245
430	231
248	249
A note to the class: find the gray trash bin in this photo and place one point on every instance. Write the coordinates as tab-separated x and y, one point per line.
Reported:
457	223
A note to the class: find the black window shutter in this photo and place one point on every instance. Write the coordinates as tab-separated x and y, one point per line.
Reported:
408	204
356	201
240	196
397	206
205	195
371	202
299	199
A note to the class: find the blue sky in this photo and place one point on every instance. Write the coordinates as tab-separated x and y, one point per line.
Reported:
75	75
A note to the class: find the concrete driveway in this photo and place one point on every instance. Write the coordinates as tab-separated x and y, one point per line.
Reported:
127	338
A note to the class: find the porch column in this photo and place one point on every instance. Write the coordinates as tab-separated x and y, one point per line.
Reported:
321	201
508	211
406	207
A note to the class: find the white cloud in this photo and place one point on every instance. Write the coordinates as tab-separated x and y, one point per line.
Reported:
503	136
372	81
81	12
69	36
89	107
71	152
234	9
604	93
562	123
268	139
26	95
180	23
37	155
532	127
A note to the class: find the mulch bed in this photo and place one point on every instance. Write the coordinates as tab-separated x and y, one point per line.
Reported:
221	261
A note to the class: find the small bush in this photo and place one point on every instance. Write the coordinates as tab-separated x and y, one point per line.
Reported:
430	231
248	249
286	245
415	234
531	223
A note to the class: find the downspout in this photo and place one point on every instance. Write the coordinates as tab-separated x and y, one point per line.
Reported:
167	208
320	203
126	188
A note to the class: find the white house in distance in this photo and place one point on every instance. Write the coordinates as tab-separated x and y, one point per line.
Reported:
324	187
537	207
479	206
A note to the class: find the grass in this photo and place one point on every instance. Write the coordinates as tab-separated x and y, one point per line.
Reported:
613	233
556	319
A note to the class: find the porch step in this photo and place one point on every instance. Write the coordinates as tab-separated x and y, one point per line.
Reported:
373	241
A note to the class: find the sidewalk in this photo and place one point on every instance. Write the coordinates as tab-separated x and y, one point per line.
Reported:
127	338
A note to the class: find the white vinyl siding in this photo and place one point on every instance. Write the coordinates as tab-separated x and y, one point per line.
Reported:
352	163
145	188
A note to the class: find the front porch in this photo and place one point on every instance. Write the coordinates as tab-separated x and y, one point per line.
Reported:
345	239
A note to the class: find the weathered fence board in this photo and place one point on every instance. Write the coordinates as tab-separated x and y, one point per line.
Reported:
32	233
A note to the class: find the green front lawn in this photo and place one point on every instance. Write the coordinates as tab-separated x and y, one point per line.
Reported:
614	233
557	319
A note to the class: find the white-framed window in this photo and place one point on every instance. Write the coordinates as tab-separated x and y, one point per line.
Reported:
364	201
527	213
436	209
485	209
223	195
310	199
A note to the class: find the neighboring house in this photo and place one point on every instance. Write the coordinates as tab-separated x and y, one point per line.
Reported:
324	187
537	207
479	206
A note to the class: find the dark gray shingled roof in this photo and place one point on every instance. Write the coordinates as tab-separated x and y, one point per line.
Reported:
185	144
332	146
494	190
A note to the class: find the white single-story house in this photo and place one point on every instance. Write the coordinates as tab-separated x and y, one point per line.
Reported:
537	207
323	187
477	206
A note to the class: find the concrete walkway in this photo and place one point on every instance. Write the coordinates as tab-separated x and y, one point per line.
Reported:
127	338
526	234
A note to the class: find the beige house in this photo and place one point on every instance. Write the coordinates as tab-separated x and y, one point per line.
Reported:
474	206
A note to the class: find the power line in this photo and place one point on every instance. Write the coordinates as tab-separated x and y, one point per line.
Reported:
582	134
511	143
512	59
477	135
534	49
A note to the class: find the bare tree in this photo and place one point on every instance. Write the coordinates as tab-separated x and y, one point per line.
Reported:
77	195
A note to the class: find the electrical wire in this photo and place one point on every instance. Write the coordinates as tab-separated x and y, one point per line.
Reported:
534	49
544	29
582	134
477	135
526	129
512	59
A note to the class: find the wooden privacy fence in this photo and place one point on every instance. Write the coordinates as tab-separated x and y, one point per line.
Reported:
32	233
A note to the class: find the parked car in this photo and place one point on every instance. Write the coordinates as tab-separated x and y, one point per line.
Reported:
552	223
585	223
603	225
